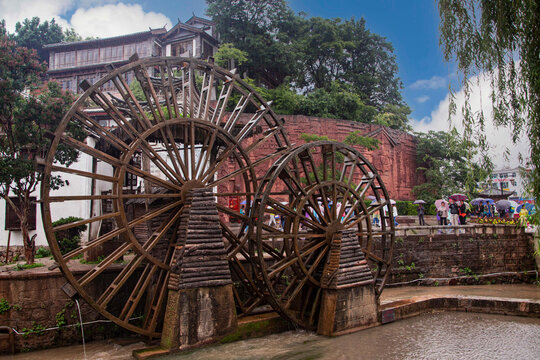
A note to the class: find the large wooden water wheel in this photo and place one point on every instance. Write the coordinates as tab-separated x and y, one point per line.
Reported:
197	126
324	196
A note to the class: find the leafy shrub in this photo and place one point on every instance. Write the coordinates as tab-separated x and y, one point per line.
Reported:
69	239
42	252
408	208
4	305
20	267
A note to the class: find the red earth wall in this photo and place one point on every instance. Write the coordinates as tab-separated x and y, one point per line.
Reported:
395	159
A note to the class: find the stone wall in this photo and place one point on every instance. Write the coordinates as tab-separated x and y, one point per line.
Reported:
464	257
33	300
395	159
14	252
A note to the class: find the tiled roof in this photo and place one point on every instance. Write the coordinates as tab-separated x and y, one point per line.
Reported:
109	39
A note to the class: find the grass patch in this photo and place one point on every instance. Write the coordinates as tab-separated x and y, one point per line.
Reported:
20	267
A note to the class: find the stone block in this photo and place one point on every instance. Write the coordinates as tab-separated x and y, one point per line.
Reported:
346	309
198	316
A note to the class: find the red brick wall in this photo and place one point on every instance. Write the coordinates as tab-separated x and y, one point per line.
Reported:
395	160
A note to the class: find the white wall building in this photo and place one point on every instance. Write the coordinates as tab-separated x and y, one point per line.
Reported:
77	186
508	180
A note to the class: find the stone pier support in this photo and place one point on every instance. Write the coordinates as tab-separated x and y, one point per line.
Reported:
348	298
200	307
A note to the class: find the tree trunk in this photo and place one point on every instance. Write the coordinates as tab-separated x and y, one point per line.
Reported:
29	242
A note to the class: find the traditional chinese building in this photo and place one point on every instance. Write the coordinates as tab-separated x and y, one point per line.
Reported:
72	62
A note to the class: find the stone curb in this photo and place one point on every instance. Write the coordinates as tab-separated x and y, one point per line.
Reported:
402	309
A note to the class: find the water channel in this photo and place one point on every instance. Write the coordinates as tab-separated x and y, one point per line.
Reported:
445	335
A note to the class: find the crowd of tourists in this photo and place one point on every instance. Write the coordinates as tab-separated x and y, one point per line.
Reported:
456	211
452	213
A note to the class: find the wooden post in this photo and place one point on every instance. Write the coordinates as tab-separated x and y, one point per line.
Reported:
200	306
348	299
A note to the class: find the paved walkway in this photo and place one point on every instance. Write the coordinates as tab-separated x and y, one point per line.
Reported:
509	291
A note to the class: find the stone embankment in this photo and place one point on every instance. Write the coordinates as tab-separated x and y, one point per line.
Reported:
470	254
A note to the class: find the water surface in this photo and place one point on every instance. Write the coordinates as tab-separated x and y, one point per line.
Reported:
444	335
448	335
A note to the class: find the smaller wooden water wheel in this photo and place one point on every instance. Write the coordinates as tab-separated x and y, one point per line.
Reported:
307	201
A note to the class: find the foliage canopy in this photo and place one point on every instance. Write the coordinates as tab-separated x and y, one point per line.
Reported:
500	40
343	70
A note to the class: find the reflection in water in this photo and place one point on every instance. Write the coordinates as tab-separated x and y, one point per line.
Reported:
449	335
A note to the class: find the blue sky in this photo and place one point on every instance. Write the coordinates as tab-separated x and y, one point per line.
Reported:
410	25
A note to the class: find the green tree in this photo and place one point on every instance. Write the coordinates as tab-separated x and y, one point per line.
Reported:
337	102
333	50
394	116
256	28
27	114
34	35
227	53
70	35
353	139
345	71
442	159
501	40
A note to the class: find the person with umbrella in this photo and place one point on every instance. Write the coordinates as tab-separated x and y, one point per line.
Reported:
523	216
442	212
454	213
503	207
421	211
462	208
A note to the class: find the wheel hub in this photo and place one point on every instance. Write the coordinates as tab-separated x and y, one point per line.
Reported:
190	185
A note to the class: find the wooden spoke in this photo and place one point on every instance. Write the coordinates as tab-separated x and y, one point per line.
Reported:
120	280
286	211
293	258
299	287
93	243
238	110
81	197
223	100
83	173
100	131
94	272
85	221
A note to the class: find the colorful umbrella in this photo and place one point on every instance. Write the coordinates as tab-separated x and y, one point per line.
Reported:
458	197
503	205
530	208
477	201
513	205
419	202
438	203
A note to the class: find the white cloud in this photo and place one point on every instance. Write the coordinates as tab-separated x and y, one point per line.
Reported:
101	18
499	138
116	19
422	99
436	82
13	11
